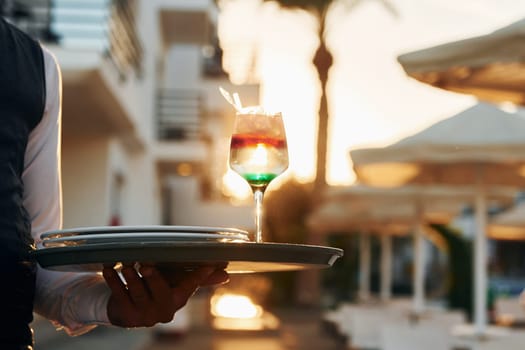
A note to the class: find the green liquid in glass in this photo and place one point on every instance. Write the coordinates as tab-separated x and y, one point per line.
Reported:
259	179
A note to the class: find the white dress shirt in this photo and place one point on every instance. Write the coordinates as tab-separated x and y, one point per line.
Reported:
75	301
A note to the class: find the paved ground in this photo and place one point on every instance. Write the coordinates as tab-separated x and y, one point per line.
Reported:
102	338
300	329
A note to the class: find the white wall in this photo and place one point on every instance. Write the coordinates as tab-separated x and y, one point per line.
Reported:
142	197
85	182
187	209
133	95
88	170
183	67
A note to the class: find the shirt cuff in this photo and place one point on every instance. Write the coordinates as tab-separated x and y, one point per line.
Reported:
74	302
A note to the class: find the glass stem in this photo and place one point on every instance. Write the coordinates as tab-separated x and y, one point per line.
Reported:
258	195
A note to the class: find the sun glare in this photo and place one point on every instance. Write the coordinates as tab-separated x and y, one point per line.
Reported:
234	186
234	306
371	102
260	156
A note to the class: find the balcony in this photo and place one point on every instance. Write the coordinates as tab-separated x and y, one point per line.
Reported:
179	114
180	130
100	56
104	26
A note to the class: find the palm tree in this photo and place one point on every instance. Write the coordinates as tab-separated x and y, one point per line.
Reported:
323	61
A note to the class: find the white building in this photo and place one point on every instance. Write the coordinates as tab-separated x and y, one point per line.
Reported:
145	130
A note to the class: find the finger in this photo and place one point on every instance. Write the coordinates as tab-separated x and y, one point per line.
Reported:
187	287
160	292
200	275
221	265
217	277
137	291
115	283
174	277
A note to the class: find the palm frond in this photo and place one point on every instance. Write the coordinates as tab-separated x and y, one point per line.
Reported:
387	4
319	5
322	5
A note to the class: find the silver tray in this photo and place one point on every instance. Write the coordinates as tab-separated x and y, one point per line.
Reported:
140	228
245	257
140	237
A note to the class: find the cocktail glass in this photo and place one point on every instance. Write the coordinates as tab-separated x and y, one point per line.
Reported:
258	153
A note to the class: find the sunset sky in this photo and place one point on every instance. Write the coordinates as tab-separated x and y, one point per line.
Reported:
372	102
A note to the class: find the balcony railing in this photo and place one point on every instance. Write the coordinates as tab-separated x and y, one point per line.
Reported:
107	26
124	46
179	114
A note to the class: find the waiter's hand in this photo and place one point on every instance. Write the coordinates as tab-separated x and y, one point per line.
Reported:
149	298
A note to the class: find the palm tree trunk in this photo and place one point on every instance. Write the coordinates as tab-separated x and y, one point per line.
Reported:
309	283
322	61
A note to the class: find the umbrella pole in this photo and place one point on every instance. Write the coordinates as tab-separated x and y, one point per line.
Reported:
480	262
386	267
364	266
419	263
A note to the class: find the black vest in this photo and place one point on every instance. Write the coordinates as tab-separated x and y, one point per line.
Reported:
22	103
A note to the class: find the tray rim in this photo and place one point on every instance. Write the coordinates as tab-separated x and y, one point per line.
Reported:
289	255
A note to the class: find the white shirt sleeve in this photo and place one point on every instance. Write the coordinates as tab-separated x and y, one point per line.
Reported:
74	301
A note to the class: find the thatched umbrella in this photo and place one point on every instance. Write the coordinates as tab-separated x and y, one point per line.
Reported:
491	67
508	225
482	146
390	212
334	217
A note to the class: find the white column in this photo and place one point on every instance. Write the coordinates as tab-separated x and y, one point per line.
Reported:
386	267
364	266
419	263
480	263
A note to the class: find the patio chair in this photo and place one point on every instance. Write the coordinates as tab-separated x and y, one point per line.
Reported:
366	327
415	337
347	311
509	311
445	319
514	341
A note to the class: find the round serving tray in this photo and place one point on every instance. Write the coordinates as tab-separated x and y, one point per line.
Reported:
243	257
76	231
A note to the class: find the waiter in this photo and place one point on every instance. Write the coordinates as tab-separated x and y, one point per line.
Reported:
31	203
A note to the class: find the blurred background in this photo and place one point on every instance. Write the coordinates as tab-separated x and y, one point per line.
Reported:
145	141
